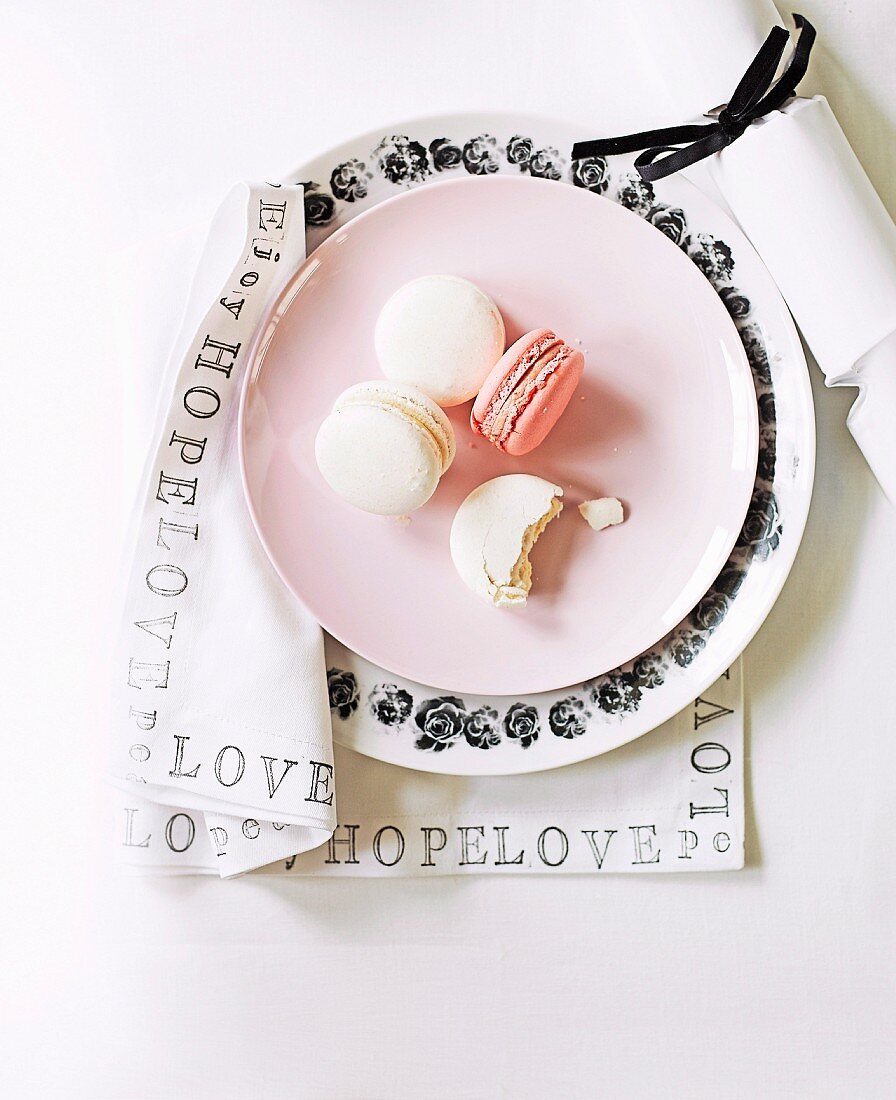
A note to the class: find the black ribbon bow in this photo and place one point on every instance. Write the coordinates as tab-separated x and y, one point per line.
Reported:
754	97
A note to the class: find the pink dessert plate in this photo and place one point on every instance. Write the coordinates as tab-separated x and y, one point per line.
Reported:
665	419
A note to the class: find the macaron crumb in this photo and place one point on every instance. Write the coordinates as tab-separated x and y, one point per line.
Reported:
401	521
601	513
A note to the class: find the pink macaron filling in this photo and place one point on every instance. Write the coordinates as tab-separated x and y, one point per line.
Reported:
526	393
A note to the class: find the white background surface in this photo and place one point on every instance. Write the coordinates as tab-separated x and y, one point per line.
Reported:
123	120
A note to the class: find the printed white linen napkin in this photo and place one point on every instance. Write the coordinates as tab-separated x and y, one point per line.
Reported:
223	754
221	702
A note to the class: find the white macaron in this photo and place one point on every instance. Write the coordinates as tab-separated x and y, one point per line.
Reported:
441	334
384	447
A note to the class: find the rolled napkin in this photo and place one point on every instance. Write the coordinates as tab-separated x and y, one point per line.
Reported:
808	207
695	50
221	711
792	180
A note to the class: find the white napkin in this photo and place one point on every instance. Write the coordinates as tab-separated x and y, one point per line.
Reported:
710	43
221	703
807	205
795	185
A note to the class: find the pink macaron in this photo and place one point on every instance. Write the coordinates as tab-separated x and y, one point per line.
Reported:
527	391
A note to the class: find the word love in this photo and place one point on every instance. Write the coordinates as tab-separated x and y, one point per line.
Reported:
229	768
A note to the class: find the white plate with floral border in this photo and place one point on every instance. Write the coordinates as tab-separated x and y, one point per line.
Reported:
406	723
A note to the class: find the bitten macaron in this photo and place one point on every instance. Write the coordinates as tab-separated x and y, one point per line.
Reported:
441	334
384	447
524	396
494	531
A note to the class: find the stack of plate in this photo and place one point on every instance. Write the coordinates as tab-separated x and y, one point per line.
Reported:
695	410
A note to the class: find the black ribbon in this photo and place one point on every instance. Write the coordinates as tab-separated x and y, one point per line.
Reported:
754	97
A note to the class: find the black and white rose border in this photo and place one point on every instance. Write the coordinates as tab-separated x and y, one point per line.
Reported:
443	722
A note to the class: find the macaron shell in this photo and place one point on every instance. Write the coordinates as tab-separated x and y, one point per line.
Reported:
377	459
440	334
411	403
504	367
425	412
545	407
545	404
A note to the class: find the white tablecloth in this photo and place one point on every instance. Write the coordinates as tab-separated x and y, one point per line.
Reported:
773	981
